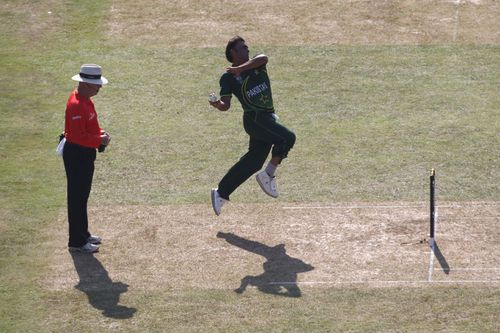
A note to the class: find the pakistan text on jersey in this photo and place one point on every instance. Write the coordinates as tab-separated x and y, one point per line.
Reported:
257	90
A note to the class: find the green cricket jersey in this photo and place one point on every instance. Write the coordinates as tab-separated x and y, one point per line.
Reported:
252	88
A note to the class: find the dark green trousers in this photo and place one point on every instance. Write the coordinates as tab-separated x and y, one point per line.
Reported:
265	134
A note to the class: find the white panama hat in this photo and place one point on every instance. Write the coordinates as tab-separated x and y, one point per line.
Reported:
90	73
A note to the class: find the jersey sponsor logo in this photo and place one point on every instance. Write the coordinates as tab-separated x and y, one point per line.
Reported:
76	117
257	90
254	97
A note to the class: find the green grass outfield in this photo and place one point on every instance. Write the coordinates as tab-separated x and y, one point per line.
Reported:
371	120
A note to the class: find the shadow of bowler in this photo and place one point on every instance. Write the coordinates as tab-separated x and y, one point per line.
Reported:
280	270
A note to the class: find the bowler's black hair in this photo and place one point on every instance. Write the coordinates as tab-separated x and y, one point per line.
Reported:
230	45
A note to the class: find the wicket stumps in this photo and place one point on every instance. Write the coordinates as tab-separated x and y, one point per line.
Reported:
432	207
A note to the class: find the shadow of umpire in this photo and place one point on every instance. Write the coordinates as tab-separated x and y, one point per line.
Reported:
102	292
280	270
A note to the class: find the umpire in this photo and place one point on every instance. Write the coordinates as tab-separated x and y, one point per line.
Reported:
83	136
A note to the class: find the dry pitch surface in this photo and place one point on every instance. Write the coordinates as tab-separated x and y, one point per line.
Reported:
180	247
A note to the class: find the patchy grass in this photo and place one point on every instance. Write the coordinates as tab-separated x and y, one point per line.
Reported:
308	23
377	93
370	129
457	309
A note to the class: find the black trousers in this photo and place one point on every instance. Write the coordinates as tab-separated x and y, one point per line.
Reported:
79	166
265	133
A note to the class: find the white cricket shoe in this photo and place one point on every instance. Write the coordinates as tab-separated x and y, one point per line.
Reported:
87	248
217	201
267	183
94	239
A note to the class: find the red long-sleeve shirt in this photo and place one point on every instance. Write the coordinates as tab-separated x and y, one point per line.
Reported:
81	126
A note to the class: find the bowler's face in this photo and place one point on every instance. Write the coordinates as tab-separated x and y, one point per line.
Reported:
241	51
